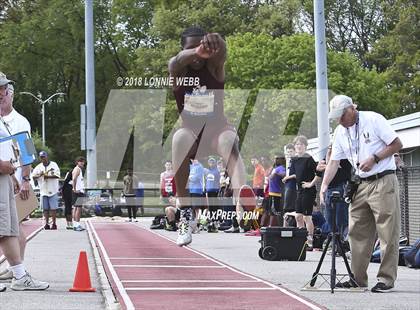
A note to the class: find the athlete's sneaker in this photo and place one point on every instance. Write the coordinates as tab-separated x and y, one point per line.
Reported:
78	228
47	227
234	230
382	288
256	233
6	275
27	283
54	226
2	287
184	233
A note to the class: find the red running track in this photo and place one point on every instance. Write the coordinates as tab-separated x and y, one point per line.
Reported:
30	228
148	271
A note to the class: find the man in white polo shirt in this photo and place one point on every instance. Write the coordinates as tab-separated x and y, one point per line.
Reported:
9	226
14	122
47	174
367	140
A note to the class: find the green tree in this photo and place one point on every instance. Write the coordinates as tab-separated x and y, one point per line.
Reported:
397	54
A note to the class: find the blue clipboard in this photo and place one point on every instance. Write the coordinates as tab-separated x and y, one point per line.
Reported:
19	149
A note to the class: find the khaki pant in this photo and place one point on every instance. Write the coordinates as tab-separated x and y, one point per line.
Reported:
375	208
9	225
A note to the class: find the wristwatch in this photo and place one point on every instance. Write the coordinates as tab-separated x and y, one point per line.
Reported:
26	178
376	157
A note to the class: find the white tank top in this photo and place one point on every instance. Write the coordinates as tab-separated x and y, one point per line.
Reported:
79	182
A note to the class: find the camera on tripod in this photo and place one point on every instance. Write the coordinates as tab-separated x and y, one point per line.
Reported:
351	187
336	196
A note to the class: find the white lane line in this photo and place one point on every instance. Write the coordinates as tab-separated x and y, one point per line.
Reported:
165	266
106	289
160	258
28	238
127	301
200	289
309	304
188	281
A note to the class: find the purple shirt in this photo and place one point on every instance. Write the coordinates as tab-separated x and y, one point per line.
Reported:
275	183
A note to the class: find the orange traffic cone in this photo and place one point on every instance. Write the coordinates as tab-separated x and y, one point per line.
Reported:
82	279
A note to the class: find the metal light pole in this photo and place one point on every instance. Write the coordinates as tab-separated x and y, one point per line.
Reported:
90	96
42	102
321	79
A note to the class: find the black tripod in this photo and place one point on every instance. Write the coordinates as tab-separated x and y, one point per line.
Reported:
334	238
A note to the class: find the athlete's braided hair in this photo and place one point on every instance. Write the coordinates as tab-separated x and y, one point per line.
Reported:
193	31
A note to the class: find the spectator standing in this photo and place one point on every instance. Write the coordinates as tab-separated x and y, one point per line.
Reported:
14	122
196	186
130	183
212	178
67	194
289	181
258	178
368	141
78	192
167	183
276	191
9	225
47	174
303	168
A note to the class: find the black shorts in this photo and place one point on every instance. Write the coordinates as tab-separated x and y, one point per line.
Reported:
289	199
276	205
305	200
78	199
213	200
68	201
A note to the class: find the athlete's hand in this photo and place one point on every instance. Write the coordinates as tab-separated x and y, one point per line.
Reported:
212	42
202	52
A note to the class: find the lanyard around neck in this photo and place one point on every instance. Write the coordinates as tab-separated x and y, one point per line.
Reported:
357	146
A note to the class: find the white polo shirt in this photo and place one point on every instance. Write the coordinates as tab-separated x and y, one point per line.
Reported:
16	123
47	187
370	136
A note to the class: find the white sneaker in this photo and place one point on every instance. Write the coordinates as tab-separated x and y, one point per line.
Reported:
2	287
6	275
27	283
184	234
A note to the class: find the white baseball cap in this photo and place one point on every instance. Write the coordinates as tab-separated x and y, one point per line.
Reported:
338	105
4	80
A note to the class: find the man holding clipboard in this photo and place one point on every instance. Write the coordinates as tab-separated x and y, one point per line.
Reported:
12	240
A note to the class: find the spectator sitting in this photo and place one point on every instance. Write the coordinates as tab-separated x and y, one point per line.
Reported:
172	215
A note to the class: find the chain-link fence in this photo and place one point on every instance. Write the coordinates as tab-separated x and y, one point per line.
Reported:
409	180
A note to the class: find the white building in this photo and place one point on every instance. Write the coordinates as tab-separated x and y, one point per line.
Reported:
407	128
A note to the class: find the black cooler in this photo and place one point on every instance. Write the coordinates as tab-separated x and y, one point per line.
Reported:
283	243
